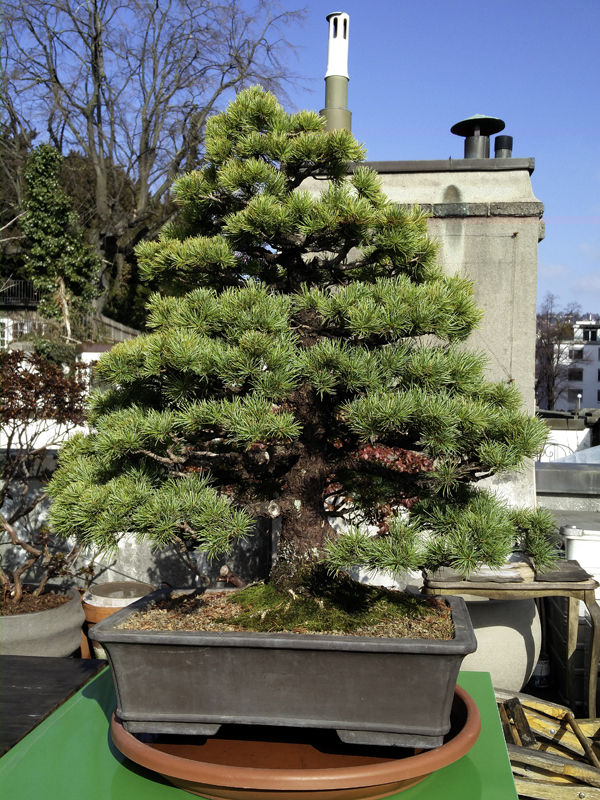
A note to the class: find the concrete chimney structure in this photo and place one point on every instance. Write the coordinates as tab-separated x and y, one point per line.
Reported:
488	223
336	111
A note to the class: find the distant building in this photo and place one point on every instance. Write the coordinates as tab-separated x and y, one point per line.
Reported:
18	311
583	367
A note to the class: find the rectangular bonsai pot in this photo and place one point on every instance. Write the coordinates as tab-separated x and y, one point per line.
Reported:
370	690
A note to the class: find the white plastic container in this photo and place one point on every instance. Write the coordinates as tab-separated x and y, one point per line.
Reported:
583	545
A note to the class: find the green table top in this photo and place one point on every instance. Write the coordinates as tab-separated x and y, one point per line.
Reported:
70	756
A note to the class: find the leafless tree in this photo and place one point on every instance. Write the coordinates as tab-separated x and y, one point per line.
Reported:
130	86
553	346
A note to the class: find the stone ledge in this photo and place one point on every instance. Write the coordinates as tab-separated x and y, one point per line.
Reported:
542	231
452	165
515	209
510	209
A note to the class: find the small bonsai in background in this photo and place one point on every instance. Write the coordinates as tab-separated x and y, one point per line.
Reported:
41	405
307	364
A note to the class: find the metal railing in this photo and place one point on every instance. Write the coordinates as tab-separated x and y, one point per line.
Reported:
18	293
85	328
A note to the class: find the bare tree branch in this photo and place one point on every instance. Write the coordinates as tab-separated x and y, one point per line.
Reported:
131	88
553	346
12	221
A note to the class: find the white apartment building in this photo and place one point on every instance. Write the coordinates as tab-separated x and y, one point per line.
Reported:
583	389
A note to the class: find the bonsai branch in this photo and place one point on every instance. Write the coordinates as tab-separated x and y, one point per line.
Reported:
181	551
17	584
227	576
17	541
170	461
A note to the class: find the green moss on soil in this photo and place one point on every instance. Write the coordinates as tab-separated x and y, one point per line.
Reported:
336	606
343	606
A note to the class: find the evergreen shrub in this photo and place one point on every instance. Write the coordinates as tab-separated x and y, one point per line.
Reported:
307	363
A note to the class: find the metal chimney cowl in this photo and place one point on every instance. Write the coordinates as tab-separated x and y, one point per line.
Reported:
336	113
477	131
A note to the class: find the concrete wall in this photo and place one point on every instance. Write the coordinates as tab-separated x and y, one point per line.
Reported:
488	224
487	221
570	488
565	488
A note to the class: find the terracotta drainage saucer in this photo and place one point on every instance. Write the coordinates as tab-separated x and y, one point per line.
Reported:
260	763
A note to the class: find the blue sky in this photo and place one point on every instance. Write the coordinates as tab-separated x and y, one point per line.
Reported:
417	68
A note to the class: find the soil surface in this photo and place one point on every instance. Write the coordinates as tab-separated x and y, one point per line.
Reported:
219	611
29	604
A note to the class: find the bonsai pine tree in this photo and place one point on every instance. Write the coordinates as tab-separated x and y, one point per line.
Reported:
308	363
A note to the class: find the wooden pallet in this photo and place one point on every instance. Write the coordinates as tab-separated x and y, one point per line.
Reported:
553	755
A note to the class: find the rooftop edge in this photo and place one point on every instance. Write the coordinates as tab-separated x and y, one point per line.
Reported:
452	165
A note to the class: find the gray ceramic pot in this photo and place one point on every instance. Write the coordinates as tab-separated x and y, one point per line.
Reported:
370	690
56	632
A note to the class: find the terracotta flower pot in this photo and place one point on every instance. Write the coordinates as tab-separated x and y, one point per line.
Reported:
249	764
370	690
103	599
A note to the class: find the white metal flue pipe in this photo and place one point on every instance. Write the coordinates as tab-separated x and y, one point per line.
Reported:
336	111
337	51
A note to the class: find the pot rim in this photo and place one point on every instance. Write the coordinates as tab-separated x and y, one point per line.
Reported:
53	589
464	641
394	770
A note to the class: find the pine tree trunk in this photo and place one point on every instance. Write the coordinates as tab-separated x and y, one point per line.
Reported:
305	523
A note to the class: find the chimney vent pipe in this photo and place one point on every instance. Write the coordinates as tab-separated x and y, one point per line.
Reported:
336	111
503	146
477	131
